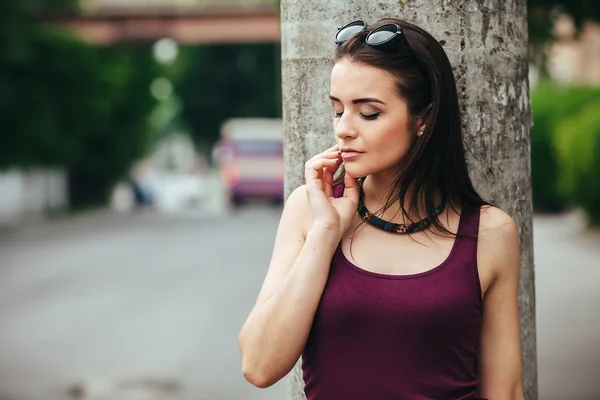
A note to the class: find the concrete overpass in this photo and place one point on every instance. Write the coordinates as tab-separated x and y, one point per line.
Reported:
225	22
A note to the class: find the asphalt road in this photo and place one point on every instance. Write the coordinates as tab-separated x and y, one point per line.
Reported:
143	307
148	307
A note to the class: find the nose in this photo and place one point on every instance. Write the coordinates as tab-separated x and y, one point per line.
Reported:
343	127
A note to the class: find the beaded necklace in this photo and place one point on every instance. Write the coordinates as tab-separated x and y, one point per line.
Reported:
391	226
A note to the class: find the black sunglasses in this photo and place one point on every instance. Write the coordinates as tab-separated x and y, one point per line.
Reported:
385	37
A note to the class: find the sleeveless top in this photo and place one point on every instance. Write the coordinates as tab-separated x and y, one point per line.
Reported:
398	337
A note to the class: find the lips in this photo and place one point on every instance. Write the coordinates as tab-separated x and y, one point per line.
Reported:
349	150
348	153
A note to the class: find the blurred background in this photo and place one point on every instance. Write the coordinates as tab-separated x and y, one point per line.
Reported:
141	182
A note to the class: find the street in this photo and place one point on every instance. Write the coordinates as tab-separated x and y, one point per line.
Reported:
135	307
148	307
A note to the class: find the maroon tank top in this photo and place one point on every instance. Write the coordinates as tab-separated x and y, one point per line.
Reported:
398	337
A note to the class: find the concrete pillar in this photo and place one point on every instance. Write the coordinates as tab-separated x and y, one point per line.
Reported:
487	46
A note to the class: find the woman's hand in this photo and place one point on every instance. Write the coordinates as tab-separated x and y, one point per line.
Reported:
334	214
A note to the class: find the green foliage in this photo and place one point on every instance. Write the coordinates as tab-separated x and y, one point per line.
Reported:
550	105
577	144
120	103
66	103
225	81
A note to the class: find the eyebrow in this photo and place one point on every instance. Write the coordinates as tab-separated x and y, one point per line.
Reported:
358	101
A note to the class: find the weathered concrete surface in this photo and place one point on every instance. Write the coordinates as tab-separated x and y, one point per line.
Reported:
486	42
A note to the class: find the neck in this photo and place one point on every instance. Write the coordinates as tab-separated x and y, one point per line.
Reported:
376	190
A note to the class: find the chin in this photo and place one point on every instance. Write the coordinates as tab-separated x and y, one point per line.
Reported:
363	169
355	170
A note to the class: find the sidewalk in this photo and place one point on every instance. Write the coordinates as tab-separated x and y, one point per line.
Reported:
567	268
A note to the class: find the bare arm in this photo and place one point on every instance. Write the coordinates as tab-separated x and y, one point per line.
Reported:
311	227
500	350
276	331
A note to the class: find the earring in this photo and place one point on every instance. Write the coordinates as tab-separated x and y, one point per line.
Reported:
420	134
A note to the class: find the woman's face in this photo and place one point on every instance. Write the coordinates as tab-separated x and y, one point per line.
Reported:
371	123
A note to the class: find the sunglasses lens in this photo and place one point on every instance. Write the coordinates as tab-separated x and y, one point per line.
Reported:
349	31
381	36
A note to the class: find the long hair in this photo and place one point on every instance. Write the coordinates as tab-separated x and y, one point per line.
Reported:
436	163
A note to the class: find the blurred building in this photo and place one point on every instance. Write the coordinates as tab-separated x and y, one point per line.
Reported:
575	58
185	21
180	6
31	194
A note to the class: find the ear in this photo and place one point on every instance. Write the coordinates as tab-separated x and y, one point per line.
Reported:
421	123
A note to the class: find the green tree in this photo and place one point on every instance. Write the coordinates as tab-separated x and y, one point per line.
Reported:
551	106
577	145
225	81
66	103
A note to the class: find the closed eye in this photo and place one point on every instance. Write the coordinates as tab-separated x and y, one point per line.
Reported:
363	116
370	117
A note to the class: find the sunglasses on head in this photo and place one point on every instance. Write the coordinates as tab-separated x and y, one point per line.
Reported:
385	37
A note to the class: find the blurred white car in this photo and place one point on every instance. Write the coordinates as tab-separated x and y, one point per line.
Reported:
166	192
250	157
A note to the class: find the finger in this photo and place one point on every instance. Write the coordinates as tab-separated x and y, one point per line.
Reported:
310	173
332	155
333	149
333	167
314	167
329	174
327	182
351	188
314	170
327	154
320	163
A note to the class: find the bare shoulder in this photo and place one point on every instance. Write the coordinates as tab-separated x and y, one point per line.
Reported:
297	197
493	221
297	209
499	240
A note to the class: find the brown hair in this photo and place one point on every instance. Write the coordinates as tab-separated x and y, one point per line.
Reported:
436	162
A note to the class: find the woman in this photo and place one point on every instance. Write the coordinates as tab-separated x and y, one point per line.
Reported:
396	281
